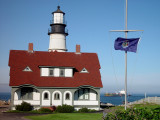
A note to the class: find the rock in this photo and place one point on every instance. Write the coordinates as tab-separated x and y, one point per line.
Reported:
2	102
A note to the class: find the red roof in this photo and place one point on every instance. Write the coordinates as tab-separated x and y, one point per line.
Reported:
19	60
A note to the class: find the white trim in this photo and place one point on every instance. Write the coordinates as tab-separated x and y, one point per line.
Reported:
45	102
68	102
44	71
83	102
57	102
84	70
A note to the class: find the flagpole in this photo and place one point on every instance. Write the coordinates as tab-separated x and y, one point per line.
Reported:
126	59
125	31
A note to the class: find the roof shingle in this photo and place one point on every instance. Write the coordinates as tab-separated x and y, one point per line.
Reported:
20	59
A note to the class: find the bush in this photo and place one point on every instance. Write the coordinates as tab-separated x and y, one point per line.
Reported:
83	110
93	110
19	107
24	107
65	109
137	114
45	110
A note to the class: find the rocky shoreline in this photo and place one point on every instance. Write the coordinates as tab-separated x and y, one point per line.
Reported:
3	103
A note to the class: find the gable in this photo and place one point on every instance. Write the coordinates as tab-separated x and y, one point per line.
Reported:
27	69
84	70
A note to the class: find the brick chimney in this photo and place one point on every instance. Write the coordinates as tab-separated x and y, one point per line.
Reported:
30	47
78	49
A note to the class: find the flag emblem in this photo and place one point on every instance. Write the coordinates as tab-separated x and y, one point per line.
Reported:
125	44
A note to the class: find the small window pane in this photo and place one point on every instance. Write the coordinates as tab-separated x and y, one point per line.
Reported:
30	96
81	94
56	96
86	92
67	96
51	72
45	95
27	68
61	72
86	96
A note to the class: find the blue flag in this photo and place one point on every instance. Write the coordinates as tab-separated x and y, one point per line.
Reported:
126	44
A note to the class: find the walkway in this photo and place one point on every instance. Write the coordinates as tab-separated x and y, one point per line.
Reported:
14	116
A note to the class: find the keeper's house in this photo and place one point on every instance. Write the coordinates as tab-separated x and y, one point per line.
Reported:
55	77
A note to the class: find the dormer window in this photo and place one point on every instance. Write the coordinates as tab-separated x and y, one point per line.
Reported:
62	72
84	70
28	69
51	72
54	71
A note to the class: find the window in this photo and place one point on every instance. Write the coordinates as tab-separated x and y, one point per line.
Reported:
86	94
56	96
28	69
83	94
45	96
62	72
56	71
26	93
51	72
67	96
84	70
80	94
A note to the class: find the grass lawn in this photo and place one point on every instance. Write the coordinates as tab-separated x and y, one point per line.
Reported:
138	106
147	105
68	116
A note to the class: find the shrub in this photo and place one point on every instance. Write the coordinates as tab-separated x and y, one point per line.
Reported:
83	110
45	110
65	109
156	110
19	107
131	114
24	107
92	110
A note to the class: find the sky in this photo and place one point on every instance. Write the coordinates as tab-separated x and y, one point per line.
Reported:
89	23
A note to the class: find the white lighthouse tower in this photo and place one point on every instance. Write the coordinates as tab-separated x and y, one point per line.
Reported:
57	32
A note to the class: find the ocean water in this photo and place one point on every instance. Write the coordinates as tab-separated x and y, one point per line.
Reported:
5	96
116	100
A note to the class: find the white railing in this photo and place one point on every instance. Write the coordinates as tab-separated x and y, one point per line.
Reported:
85	102
32	102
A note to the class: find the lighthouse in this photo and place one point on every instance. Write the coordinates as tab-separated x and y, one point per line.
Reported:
57	32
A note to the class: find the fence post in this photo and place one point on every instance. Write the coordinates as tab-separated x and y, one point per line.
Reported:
155	99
